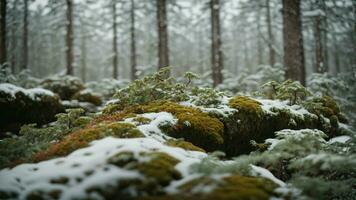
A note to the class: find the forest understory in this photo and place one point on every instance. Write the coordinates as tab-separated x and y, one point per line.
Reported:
206	100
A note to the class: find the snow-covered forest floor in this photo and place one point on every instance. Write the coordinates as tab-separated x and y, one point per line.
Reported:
165	138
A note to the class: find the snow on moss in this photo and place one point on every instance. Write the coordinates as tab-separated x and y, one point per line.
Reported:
33	93
71	176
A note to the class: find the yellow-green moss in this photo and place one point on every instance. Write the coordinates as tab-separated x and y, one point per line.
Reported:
158	168
142	120
82	138
87	97
246	104
184	145
193	125
229	188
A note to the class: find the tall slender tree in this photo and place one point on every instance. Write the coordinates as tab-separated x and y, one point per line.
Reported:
69	38
114	43
25	35
3	58
83	56
293	41
163	51
133	42
216	52
272	53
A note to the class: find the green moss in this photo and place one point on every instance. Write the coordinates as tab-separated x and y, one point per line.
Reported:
157	167
142	120
246	105
193	125
87	97
184	145
65	86
82	138
229	188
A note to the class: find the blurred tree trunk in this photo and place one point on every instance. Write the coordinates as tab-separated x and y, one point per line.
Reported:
133	42
115	74
25	36
216	55
163	51
3	32
272	54
293	41
336	54
14	38
69	38
83	58
319	52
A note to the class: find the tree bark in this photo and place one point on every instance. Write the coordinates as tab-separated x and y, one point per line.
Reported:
3	55
115	74
163	51
272	54
83	56
319	52
69	38
216	52
133	42
25	36
293	41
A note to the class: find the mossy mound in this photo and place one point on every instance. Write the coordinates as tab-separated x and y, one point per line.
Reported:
86	96
193	125
184	145
253	122
82	138
326	107
233	187
65	86
19	106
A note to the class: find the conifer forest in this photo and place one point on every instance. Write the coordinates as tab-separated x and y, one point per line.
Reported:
177	99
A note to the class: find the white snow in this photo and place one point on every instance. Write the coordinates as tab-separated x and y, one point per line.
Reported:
27	177
152	129
262	172
269	105
33	93
339	139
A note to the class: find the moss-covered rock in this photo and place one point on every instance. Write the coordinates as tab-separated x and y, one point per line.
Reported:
82	138
87	96
20	106
65	86
193	125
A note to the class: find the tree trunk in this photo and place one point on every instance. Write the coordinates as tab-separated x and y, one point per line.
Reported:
319	52
336	55
14	38
83	56
25	36
3	58
293	41
216	52
259	45
272	54
115	74
69	38
163	51
133	42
